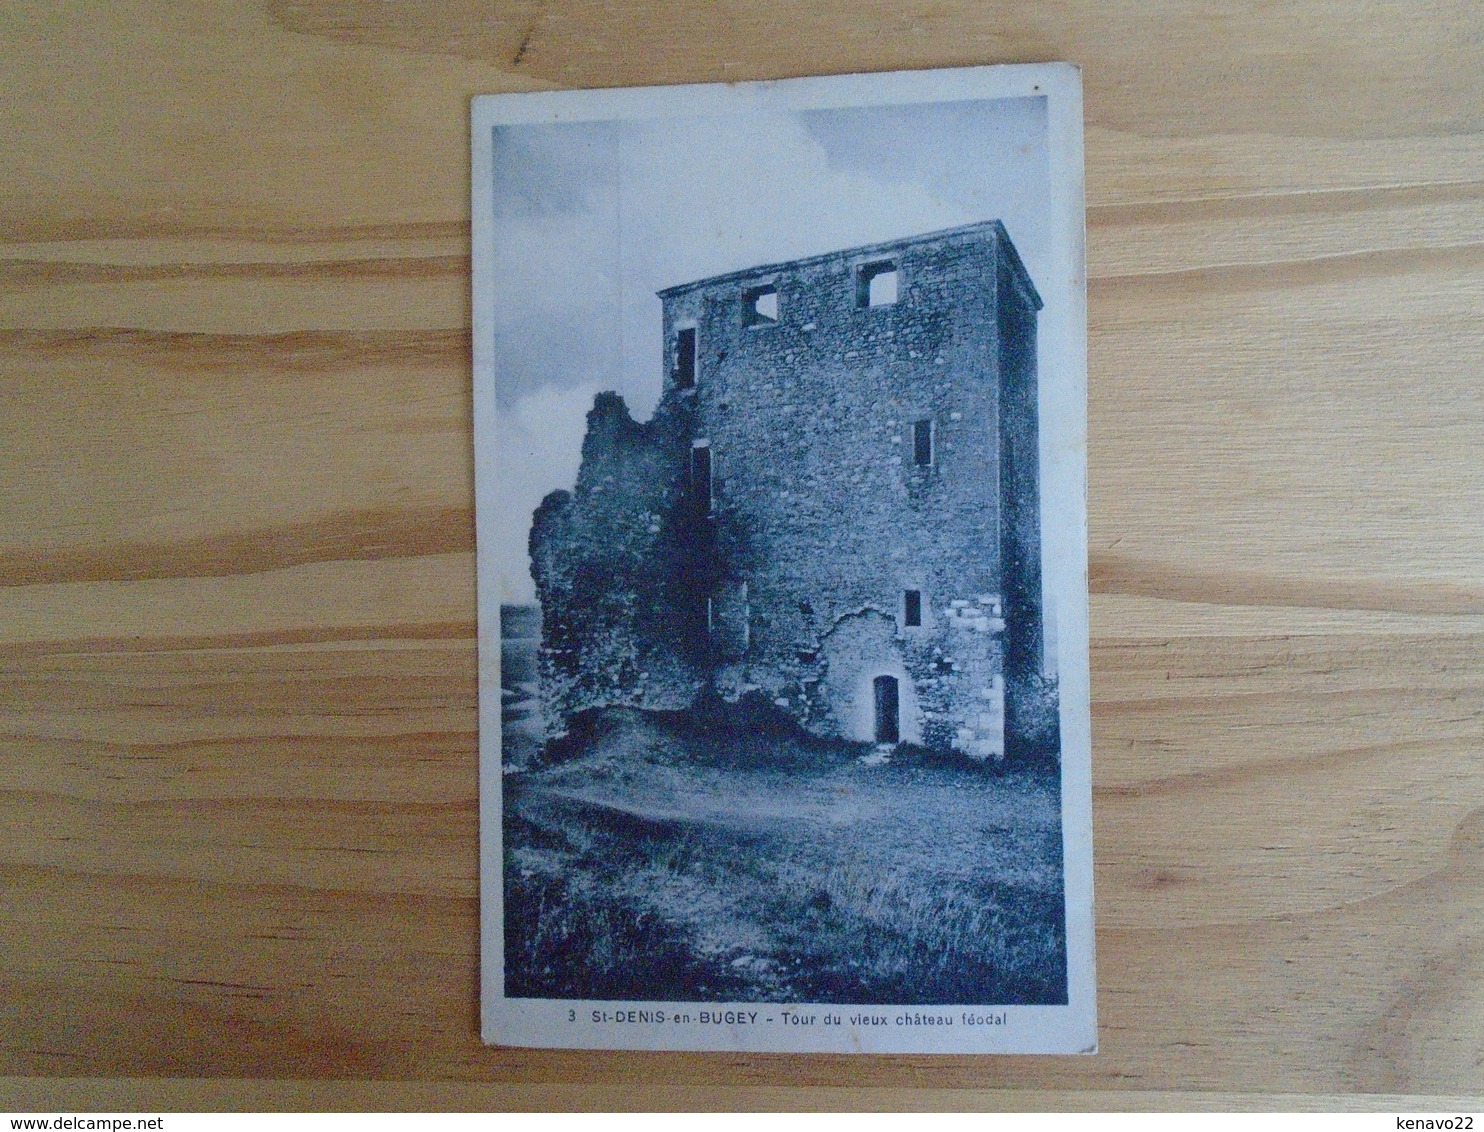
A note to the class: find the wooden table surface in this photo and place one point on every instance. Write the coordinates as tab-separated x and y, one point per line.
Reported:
237	670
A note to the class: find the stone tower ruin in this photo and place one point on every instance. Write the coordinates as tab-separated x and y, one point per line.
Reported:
835	506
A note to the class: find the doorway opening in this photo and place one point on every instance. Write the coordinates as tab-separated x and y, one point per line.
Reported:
888	715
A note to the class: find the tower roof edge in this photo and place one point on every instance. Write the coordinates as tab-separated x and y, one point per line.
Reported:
994	229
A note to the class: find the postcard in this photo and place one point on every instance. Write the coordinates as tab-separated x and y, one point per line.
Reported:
780	456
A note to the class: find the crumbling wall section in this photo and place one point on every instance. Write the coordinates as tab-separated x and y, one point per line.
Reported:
615	562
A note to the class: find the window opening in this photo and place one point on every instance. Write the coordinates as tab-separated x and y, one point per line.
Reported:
922	443
746	620
912	608
876	284
700	474
685	358
760	306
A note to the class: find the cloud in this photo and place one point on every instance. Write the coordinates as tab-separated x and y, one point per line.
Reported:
552	170
593	218
556	275
706	196
539	447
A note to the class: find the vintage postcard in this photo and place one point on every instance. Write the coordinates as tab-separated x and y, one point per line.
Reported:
780	419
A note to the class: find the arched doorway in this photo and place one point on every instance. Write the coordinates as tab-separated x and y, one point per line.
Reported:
888	712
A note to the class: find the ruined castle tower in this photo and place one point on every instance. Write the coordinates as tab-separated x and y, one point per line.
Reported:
835	505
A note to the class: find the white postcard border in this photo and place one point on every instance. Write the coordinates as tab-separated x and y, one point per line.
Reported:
1069	1028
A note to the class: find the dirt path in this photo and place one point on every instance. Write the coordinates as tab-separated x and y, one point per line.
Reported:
763	875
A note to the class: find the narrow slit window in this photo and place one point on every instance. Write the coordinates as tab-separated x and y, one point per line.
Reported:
685	358
912	608
760	306
922	443
700	474
876	284
746	620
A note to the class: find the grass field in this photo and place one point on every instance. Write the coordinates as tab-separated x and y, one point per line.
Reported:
662	861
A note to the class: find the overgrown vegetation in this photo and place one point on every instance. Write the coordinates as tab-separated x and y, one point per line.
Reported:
660	860
1040	722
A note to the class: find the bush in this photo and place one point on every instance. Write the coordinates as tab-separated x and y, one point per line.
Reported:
1038	734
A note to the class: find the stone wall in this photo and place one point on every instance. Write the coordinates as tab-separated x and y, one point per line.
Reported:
617	565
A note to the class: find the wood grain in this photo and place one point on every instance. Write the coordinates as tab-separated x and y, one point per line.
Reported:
237	671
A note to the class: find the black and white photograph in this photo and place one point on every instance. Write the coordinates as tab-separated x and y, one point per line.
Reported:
780	476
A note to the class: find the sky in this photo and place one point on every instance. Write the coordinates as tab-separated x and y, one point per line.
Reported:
592	218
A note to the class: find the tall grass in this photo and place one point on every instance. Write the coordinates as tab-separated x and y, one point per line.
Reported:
604	899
